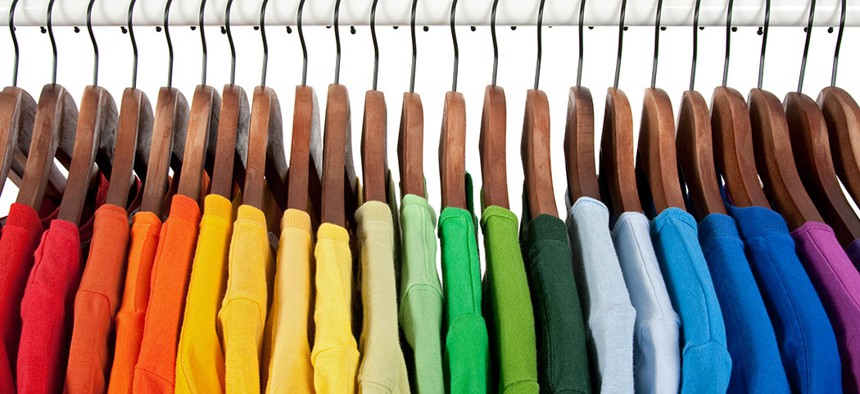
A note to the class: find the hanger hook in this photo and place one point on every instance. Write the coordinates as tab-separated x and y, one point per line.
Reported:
265	42
763	43
337	42
53	41
302	41
14	42
414	46
230	40
95	44
806	45
695	44
169	44
729	13
581	44
620	43
452	20
133	43
200	26
495	41
656	43
539	43
838	43
375	43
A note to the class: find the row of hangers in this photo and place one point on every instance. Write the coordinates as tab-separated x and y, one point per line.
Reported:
801	150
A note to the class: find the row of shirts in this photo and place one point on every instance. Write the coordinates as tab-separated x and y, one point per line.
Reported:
203	303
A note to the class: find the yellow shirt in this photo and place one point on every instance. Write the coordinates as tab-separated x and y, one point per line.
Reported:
243	312
199	358
335	354
289	362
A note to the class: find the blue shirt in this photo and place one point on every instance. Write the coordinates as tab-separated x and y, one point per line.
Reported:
756	365
705	362
804	335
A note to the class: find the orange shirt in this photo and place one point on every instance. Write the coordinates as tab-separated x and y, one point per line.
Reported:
155	370
145	230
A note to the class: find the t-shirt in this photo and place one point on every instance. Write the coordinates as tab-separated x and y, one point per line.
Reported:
838	285
246	303
383	368
97	301
562	356
803	331
656	354
853	252
199	357
466	341
155	370
289	360
508	307
705	361
607	305
21	236
145	230
335	353
420	296
756	364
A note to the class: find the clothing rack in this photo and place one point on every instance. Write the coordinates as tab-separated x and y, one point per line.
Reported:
435	12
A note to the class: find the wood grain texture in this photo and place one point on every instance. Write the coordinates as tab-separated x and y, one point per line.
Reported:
374	154
338	179
17	110
166	148
535	151
410	146
842	115
656	161
199	139
579	146
493	148
133	136
304	186
267	164
695	148
452	152
231	142
617	170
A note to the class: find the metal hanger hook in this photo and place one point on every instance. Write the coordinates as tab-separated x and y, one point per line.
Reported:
133	44
375	43
620	43
200	27
695	45
53	41
495	41
14	42
302	41
265	43
729	12
539	43
763	43
656	43
581	44
414	46
230	40
95	44
169	43
337	42
452	21
838	42
806	46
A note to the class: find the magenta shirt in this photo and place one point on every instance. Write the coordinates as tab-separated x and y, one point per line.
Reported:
838	285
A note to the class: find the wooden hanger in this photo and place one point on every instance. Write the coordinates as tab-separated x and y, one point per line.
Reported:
202	127
338	178
374	156
657	164
811	147
410	146
617	170
17	110
492	144
266	161
535	152
166	149
304	186
579	145
133	138
452	151
775	160
842	115
696	156
231	142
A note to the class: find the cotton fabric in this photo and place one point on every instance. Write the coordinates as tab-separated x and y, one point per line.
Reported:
705	361
756	363
289	361
199	357
421	296
335	353
383	368
656	355
838	285
155	370
145	231
853	252
511	323
803	331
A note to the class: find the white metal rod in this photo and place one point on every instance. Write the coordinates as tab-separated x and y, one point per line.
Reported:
433	12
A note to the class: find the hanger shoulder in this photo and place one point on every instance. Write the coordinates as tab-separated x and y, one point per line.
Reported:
657	162
94	138
53	134
304	183
167	143
338	181
231	141
17	110
733	147
535	152
133	135
695	150
617	170
842	115
811	148
579	145
266	161
775	160
202	125
374	161
492	145
410	146
452	151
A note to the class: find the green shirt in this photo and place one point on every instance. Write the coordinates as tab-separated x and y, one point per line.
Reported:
420	296
562	355
510	322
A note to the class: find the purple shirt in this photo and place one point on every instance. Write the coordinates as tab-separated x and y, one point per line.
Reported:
838	285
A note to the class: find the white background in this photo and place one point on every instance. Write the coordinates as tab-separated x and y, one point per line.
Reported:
516	73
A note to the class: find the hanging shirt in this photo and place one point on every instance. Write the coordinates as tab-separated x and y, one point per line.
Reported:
155	370
803	331
421	295
289	362
383	368
853	252
145	230
511	322
705	364
562	356
656	355
335	353
608	309
838	285
756	364
199	357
